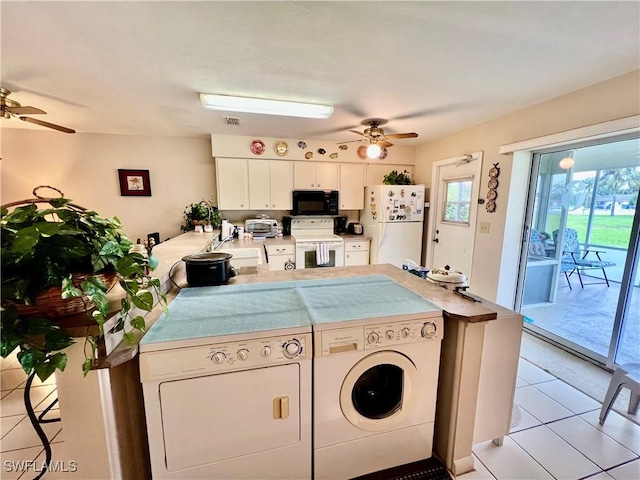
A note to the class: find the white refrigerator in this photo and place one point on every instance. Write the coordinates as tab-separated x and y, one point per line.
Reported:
393	217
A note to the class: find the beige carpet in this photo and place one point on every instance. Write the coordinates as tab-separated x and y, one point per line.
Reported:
581	374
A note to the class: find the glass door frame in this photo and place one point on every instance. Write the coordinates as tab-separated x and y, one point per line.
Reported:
632	259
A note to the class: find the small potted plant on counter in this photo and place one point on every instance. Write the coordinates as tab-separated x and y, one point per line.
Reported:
202	213
58	263
395	178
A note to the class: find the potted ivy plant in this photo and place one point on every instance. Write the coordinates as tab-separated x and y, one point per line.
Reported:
61	260
395	178
201	213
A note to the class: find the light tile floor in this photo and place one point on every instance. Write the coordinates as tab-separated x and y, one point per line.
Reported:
558	435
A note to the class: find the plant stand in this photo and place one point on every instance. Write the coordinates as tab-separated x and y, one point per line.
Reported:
36	421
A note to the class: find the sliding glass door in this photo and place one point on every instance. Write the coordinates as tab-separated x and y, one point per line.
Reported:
578	283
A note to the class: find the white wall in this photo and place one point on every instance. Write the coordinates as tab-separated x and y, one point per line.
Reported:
85	167
609	100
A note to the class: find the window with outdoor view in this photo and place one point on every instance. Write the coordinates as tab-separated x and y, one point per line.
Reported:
458	201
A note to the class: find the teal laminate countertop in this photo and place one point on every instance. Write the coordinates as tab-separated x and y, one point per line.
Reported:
235	309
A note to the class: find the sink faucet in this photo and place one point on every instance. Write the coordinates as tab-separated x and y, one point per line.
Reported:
216	245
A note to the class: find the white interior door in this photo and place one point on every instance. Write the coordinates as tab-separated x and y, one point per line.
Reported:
455	190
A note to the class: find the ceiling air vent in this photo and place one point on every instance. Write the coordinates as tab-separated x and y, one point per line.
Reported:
232	121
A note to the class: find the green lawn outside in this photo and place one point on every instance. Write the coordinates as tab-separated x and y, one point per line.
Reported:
605	230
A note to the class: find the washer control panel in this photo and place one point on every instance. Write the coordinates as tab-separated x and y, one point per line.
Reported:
380	335
223	357
386	335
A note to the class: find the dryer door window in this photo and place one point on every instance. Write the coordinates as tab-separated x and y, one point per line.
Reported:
379	391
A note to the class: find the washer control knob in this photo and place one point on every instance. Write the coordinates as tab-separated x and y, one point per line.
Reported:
243	354
266	351
373	338
292	348
218	357
390	334
405	332
428	329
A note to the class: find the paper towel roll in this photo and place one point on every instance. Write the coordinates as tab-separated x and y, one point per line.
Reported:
226	229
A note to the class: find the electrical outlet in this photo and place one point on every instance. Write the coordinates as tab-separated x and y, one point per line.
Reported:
484	227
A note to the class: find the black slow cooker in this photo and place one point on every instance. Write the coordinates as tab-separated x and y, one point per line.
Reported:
209	268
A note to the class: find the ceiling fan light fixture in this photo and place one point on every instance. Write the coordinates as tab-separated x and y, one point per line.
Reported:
230	103
566	163
373	150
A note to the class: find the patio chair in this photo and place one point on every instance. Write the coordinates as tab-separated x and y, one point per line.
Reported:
536	244
575	260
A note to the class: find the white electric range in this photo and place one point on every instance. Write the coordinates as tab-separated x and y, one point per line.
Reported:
316	244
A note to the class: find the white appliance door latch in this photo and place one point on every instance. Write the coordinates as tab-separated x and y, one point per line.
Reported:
280	408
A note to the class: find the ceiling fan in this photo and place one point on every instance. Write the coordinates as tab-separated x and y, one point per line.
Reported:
10	108
375	136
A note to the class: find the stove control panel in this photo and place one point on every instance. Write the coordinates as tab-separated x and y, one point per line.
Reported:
312	224
217	358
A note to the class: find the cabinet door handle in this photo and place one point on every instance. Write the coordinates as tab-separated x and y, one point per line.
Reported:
266	205
318	184
242	204
273	205
313	185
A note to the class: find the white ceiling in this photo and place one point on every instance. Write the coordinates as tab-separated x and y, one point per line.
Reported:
429	67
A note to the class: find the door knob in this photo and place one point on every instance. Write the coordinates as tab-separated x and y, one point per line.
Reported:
436	240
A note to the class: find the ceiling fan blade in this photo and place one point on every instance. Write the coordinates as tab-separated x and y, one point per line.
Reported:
350	141
25	110
384	143
402	135
47	124
356	131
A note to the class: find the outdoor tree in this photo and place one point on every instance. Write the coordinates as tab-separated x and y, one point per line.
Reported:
617	181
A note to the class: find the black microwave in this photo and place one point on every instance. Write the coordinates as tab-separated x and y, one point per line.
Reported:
315	202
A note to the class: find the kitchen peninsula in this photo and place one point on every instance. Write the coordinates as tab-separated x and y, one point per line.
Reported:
477	372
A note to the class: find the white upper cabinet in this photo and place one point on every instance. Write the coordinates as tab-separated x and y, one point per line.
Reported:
259	187
377	171
270	184
281	183
316	175
352	186
232	179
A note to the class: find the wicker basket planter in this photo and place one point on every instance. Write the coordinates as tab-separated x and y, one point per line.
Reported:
50	304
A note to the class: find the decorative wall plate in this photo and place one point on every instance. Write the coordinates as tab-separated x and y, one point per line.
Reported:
343	147
257	147
493	184
322	151
362	152
281	148
333	155
494	172
383	153
302	145
308	155
491	206
492	195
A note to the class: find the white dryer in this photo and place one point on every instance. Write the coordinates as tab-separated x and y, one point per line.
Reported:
375	385
228	397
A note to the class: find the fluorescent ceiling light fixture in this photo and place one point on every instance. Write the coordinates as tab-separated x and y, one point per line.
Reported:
266	107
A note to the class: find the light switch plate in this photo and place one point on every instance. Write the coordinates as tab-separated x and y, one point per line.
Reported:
484	227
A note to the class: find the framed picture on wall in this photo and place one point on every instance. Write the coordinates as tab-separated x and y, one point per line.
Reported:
134	183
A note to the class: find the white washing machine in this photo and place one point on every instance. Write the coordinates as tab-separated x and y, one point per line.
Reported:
227	405
375	384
